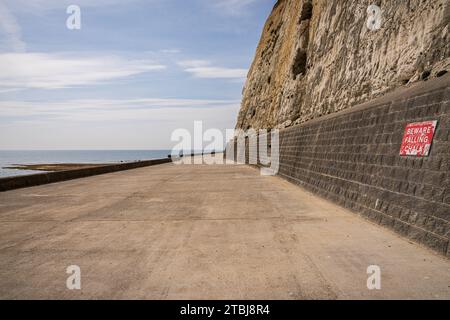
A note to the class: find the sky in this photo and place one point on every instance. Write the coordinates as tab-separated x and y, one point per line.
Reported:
136	70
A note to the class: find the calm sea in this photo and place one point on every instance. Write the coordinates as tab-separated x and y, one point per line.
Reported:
8	158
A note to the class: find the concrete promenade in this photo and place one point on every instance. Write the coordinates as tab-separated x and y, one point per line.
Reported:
201	232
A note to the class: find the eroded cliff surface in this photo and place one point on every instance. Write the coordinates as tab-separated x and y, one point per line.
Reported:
317	57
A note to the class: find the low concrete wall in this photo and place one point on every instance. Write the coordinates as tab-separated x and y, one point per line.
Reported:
352	158
11	183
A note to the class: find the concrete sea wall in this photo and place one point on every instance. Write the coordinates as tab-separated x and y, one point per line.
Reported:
11	183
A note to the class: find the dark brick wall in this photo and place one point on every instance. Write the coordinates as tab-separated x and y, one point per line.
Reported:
353	159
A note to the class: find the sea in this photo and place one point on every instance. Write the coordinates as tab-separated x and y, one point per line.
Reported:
21	157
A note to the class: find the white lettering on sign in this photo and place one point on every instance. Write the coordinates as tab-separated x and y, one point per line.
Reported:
418	138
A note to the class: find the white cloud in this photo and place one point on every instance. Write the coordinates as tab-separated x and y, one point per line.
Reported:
11	29
107	124
53	71
194	63
106	109
204	69
171	51
234	7
39	6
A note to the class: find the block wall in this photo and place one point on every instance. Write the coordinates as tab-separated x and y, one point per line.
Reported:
353	159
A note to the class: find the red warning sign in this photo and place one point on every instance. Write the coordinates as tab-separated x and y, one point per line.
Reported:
418	138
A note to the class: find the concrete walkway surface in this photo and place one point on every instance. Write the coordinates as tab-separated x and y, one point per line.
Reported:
201	232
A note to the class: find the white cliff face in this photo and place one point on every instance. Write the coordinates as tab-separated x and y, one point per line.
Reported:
317	57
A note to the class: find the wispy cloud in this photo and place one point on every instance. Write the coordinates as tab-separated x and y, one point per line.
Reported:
235	7
171	51
205	69
106	109
53	71
39	6
10	29
107	124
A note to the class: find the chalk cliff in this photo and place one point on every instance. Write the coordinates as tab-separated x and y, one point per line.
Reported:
317	57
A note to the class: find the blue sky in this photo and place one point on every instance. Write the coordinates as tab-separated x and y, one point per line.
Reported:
136	71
